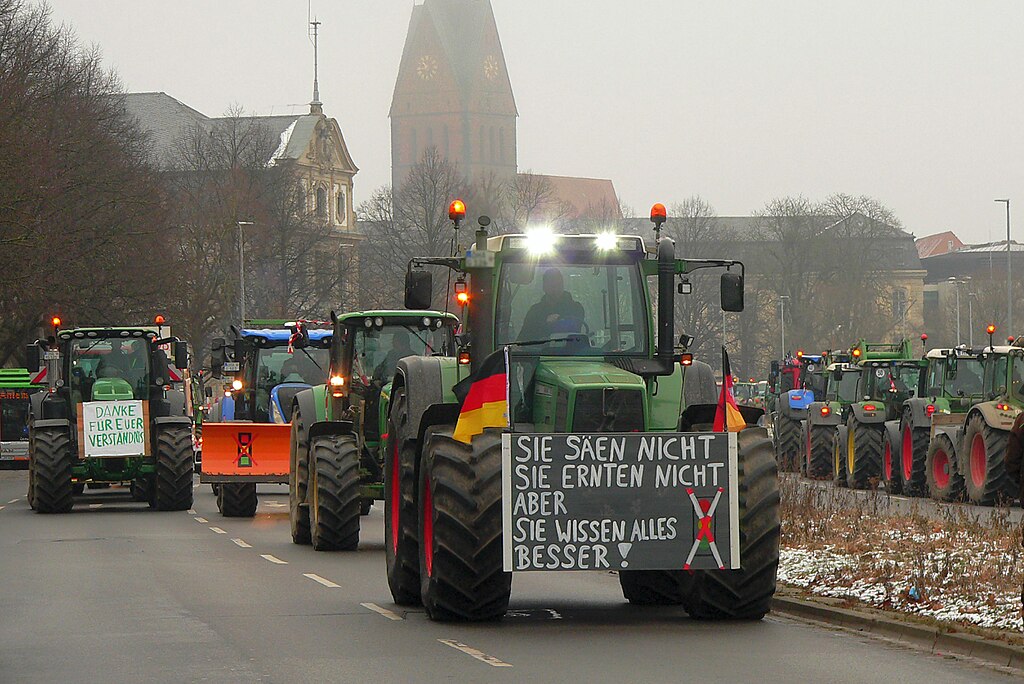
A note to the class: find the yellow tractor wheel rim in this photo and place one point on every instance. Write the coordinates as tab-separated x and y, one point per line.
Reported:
850	460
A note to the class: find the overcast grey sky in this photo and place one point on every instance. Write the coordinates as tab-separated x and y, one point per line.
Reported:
915	103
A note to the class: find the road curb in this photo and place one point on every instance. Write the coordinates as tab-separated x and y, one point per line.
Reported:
931	639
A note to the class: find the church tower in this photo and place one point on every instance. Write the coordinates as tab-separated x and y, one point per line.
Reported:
453	93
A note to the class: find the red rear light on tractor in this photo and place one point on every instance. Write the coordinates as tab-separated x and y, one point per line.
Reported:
826	411
929	410
1003	407
870	407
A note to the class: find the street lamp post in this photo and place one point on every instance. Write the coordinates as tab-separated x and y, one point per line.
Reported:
241	269
956	286
970	316
782	321
1009	292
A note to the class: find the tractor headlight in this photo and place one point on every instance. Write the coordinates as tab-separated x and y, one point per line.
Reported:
337	381
606	241
236	385
540	240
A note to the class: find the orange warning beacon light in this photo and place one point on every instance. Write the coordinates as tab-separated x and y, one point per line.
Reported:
159	320
990	329
658	213
457	211
55	321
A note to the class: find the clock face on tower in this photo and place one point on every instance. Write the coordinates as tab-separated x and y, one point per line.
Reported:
427	67
491	68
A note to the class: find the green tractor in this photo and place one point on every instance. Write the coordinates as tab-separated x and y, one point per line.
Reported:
823	417
108	416
566	321
338	428
954	381
889	376
16	385
972	458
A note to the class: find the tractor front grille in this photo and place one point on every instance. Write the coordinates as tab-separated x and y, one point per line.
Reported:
608	410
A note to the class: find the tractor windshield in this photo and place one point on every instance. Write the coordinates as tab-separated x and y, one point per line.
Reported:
883	382
1017	381
845	389
572	309
963	377
109	369
275	365
377	351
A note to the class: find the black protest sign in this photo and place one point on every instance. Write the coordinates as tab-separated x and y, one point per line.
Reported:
636	501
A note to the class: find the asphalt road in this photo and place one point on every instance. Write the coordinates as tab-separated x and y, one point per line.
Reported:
114	592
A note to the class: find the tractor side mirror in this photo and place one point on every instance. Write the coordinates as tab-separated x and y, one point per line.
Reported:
301	337
837	375
418	287
684	287
208	391
732	292
218	352
181	355
33	359
685	341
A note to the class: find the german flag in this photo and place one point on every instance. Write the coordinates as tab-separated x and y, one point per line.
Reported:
484	397
728	417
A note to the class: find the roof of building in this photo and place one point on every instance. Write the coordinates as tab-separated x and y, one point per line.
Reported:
167	121
584	198
939	243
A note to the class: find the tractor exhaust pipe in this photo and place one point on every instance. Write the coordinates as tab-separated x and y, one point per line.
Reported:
666	302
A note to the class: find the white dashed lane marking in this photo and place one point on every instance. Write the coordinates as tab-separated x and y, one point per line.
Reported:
217	530
273	559
2	507
201	520
13	501
322	580
479	655
242	543
191	511
382	611
97	505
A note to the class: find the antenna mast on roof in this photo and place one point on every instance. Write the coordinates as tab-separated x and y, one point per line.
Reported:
315	107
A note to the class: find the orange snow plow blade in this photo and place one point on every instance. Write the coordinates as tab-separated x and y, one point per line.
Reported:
252	452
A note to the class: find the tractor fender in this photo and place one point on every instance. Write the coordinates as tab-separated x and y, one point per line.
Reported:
46	405
330	427
172	420
796	414
51	423
814	416
421	378
699	385
892	431
868	417
305	401
918	410
176	402
993	416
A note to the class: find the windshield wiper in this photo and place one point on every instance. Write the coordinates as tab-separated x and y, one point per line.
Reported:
572	337
310	357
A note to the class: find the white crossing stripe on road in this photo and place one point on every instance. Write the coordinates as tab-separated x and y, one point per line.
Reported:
242	543
191	511
218	530
382	611
321	580
2	507
273	559
99	505
202	520
479	655
13	501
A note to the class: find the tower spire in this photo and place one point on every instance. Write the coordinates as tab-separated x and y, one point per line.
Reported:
315	107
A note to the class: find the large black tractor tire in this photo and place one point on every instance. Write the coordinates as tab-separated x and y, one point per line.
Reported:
864	454
365	506
819	452
839	456
334	501
31	497
787	443
986	480
945	483
891	464
744	594
913	452
173	481
140	489
401	519
52	461
460	529
237	499
652	587
298	481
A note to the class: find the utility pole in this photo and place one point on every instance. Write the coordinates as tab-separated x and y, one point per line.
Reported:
241	269
315	106
1009	290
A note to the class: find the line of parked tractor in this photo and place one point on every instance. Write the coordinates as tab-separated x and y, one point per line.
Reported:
944	425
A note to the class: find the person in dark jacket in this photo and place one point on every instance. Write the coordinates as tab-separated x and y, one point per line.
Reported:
556	312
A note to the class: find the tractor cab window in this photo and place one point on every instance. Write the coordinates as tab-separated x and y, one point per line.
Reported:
936	369
13	415
995	374
815	381
376	352
565	308
885	381
1017	379
845	389
106	369
275	365
963	377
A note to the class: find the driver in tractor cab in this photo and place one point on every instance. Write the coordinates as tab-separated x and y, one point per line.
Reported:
119	363
556	312
400	348
299	368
